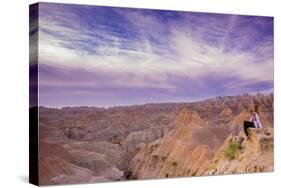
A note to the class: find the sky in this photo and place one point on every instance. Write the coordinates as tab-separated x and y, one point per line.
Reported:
108	56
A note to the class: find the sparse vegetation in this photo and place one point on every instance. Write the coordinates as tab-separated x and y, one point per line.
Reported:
155	157
129	175
163	158
212	166
194	173
153	148
231	151
175	163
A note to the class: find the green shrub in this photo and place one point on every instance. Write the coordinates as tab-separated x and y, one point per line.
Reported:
153	148
231	151
212	166
163	158
194	173
154	157
129	175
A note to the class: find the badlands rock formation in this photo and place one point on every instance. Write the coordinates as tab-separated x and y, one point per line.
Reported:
89	144
189	149
180	153
252	155
82	144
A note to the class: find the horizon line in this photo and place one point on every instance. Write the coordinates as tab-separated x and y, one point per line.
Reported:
151	103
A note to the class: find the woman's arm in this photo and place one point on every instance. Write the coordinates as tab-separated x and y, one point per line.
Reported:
251	119
259	121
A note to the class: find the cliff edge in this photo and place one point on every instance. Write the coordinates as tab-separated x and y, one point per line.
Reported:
240	155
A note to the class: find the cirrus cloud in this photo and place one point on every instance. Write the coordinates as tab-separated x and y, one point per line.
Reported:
106	56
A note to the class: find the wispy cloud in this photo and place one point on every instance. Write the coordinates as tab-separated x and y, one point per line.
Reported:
97	53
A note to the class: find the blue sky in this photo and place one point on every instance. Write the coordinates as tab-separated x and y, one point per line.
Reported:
104	56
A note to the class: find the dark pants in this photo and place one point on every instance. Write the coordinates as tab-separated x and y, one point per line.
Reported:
247	125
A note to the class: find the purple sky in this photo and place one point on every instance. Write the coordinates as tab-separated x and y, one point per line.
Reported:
102	56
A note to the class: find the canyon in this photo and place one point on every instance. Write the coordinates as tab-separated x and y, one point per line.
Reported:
150	141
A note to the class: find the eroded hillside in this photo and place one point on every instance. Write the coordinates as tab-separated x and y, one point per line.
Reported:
89	144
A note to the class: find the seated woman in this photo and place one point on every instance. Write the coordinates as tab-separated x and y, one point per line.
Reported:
254	121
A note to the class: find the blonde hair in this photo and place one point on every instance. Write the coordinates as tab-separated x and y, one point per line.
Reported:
254	108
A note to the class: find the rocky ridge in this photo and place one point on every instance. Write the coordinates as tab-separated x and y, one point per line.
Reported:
238	155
